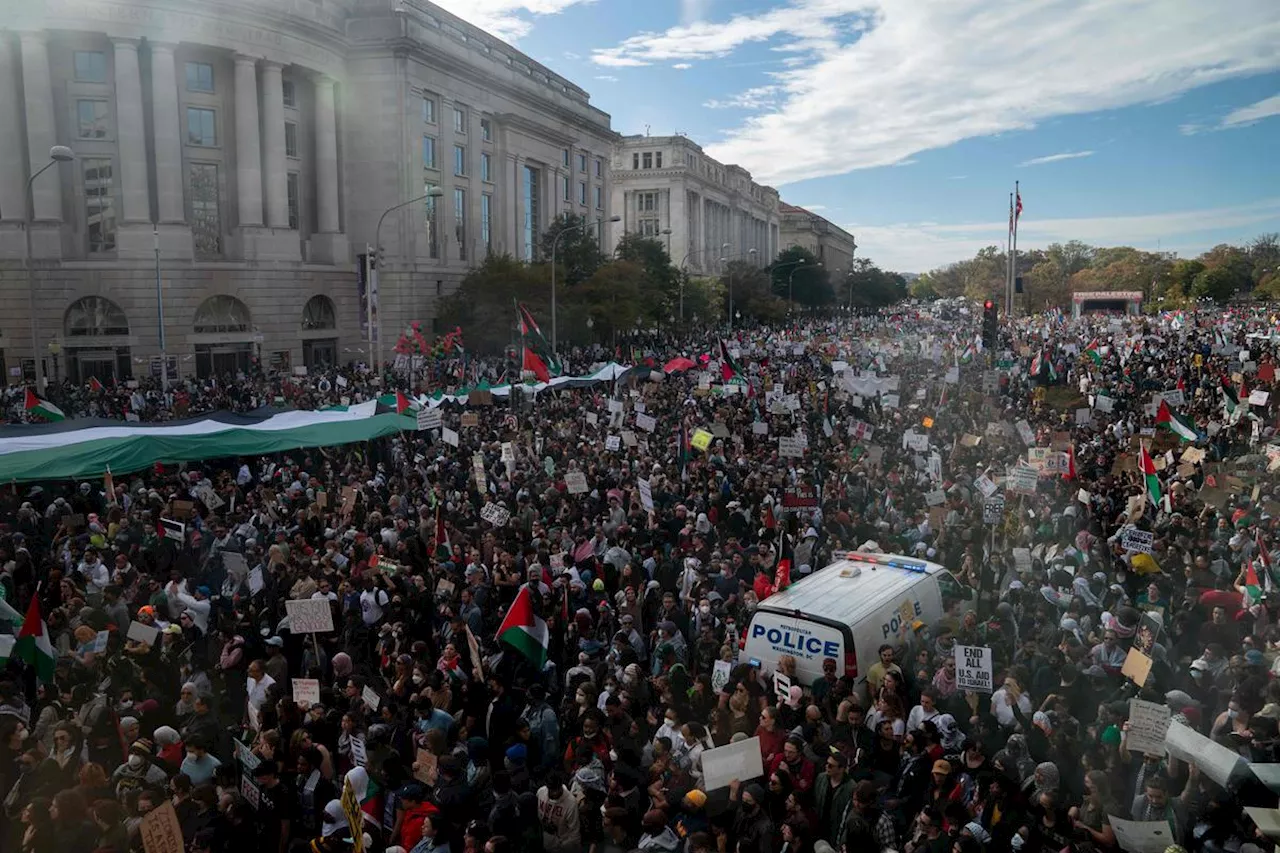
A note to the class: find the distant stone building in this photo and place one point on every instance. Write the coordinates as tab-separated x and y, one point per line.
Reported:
832	245
713	211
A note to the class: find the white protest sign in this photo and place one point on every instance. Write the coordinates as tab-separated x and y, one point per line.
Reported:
1174	398
576	481
508	451
145	634
496	514
1142	541
309	615
1022	560
430	419
371	697
1103	403
781	686
741	761
935	498
449	437
973	668
646	494
1214	760
1148	726
1142	836
791	446
1083	417
1023	480
593	419
613	442
306	690
646	422
359	754
889	401
1026	433
986	485
1258	398
720	673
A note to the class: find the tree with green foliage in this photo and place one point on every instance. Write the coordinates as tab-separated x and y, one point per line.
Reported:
577	252
746	290
484	305
798	275
870	287
661	279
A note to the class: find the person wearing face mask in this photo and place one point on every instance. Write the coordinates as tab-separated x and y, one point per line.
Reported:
138	771
752	827
199	765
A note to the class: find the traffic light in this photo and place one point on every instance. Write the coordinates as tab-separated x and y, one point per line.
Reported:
990	325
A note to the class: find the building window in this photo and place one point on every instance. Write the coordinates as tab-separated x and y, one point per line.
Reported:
582	162
599	198
486	216
91	119
460	160
459	120
486	165
100	214
428	152
428	109
291	139
657	159
460	222
91	66
647	159
532	220
486	130
635	161
201	127
288	93
647	201
564	157
582	192
291	191
649	228
599	167
206	219
433	230
564	188
199	77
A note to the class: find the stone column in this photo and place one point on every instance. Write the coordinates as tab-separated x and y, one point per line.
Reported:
326	157
273	155
166	127
248	146
12	170
508	201
37	85
131	134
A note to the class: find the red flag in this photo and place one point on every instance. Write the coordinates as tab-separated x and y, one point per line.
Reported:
402	403
536	366
1070	473
94	385
1018	207
782	578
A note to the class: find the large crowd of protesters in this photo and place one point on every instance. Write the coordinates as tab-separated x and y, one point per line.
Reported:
452	740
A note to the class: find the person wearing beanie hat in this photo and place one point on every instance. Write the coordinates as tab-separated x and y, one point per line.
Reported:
751	823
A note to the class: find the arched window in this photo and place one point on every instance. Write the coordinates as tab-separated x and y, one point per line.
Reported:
319	313
94	316
222	314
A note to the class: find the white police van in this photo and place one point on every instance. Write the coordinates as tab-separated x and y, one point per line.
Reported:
847	611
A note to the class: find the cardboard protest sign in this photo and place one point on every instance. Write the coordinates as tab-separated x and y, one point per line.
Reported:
1148	726
160	830
309	615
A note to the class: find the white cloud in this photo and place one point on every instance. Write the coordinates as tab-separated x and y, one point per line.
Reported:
608	78
682	66
1054	158
921	246
1253	113
752	99
508	20
920	75
692	11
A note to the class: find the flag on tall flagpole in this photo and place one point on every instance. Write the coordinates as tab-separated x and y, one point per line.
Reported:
33	644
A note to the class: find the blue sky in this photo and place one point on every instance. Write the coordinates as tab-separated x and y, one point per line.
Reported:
1153	123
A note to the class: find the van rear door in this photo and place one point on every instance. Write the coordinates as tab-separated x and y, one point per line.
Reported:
807	639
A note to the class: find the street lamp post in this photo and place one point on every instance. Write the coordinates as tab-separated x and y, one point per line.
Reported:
555	245
371	270
57	154
164	356
723	261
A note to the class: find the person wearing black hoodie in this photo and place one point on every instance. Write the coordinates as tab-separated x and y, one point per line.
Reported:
752	828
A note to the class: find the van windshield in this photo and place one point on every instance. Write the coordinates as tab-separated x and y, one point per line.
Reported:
952	588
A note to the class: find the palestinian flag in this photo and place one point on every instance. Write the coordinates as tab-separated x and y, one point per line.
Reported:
1264	559
1148	469
728	367
1037	365
1070	472
1092	351
966	355
1230	405
43	409
1252	589
398	402
443	549
535	342
523	630
536	366
94	385
1176	423
33	644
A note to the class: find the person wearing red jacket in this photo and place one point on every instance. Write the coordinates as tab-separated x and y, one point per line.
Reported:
801	769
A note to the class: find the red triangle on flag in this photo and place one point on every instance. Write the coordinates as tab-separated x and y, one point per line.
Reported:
536	366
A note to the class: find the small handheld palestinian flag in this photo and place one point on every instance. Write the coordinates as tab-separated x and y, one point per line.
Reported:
94	385
43	409
1177	424
524	630
1093	352
728	367
1148	469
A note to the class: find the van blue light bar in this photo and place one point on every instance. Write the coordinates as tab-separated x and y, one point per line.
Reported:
882	560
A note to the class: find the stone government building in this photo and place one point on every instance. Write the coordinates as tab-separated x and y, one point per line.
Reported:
257	143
